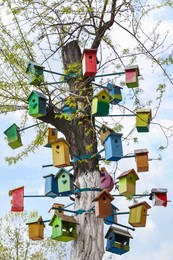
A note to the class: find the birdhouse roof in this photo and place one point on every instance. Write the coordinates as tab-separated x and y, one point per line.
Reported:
159	190
141	151
131	67
13	125
112	85
35	65
113	134
143	203
63	170
106	128
129	172
33	220
48	175
105	193
60	140
118	231
39	94
145	110
114	207
11	191
103	91
63	218
56	205
89	51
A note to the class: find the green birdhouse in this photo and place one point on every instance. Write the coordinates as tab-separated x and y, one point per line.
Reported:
13	136
63	227
100	103
127	183
65	182
35	73
143	118
60	153
131	76
37	104
138	214
36	228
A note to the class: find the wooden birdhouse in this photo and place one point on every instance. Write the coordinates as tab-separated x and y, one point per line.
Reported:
131	76
60	153
37	104
115	93
159	197
127	183
50	137
104	132
58	208
143	118
51	186
65	182
103	204
107	181
89	62
100	103
118	241
36	228
63	227
13	136
141	158
113	147
113	217
17	199
138	214
35	73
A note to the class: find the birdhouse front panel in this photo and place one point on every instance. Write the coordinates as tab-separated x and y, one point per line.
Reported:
141	158
65	183
159	197
36	228
138	214
60	153
103	204
51	186
127	183
99	107
115	93
35	73
13	136
89	62
113	147
50	137
131	76
143	119
17	199
37	104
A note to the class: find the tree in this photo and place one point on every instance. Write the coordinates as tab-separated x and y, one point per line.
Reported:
58	30
15	243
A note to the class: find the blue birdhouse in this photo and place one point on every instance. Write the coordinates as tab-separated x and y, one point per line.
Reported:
113	147
51	187
115	93
35	73
113	217
65	182
37	104
118	241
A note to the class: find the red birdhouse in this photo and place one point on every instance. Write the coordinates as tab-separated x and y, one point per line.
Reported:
89	62
17	199
159	197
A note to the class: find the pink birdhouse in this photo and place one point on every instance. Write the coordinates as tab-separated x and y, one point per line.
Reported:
106	180
159	197
17	199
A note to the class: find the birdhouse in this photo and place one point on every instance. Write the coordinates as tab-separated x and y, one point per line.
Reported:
138	214
58	208
113	217
103	204
51	187
131	76
159	197
107	181
60	153
35	73
104	132
113	147
63	227
67	112
127	183
17	199
13	136
36	228
100	103
118	241
141	158
143	118
37	104
115	93
89	62
50	137
65	182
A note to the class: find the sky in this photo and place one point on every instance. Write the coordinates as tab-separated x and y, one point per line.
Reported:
151	242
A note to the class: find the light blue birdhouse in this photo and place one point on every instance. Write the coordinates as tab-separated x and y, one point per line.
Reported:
51	187
113	147
115	93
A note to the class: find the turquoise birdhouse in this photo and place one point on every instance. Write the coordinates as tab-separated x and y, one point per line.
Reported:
13	136
37	104
118	241
35	73
113	217
113	147
51	187
65	182
115	93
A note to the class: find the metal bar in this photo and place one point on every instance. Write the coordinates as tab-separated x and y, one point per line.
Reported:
120	225
110	74
38	196
116	115
135	195
22	129
99	85
121	213
57	73
62	209
52	83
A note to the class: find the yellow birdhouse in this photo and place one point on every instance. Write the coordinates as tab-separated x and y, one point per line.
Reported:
36	228
50	137
127	183
141	157
60	153
138	214
104	132
143	118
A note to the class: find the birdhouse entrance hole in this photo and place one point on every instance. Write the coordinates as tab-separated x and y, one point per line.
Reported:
90	57
103	97
116	141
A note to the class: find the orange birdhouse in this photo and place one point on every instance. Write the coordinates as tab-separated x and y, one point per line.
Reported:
89	62
104	132
50	137
141	157
36	228
17	199
103	204
60	153
138	214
